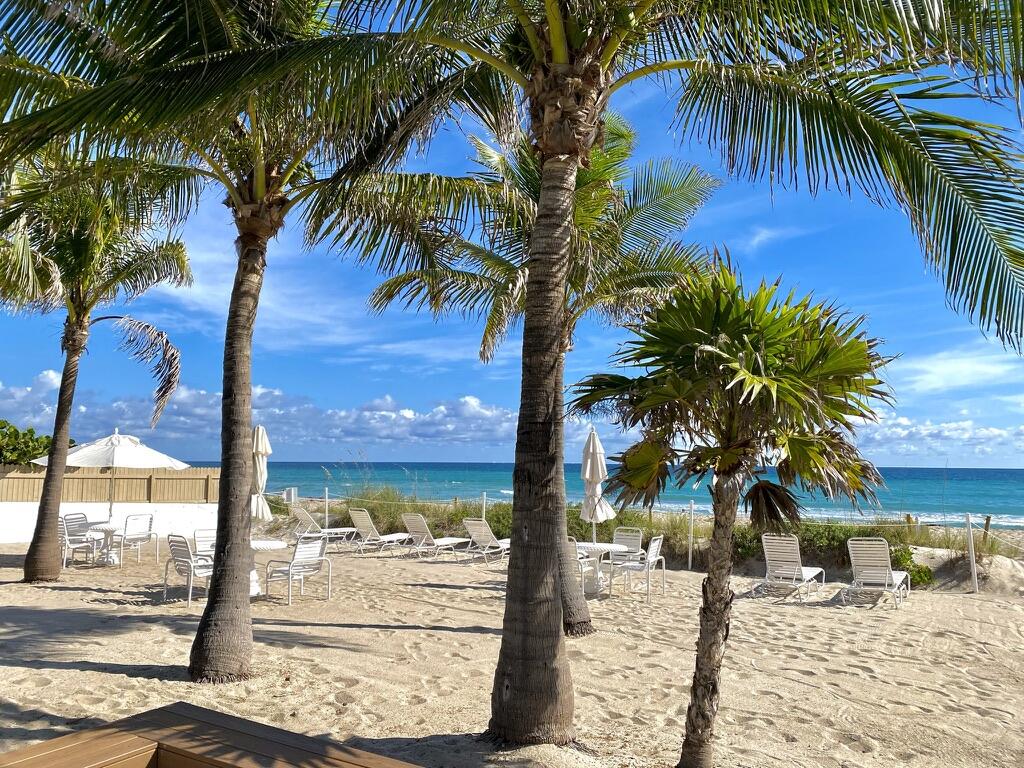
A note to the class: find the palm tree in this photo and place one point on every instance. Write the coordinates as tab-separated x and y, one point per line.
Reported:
75	236
625	254
838	94
729	381
267	149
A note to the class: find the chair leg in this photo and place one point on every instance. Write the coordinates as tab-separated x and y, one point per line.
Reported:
289	589
167	569
189	603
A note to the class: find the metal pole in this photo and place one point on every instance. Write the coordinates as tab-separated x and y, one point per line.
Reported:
689	548
970	554
483	506
327	522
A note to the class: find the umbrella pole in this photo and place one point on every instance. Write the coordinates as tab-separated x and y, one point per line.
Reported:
110	508
593	531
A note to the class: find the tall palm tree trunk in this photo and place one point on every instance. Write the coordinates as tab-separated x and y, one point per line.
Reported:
532	697
576	621
715	611
43	561
222	649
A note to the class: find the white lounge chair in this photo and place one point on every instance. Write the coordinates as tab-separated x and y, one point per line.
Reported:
368	536
205	540
646	565
308	560
308	526
484	542
76	537
872	570
187	564
784	567
423	540
138	530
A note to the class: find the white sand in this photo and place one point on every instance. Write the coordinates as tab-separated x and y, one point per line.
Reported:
400	661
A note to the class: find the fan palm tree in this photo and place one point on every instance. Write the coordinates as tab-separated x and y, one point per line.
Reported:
76	236
728	381
267	150
848	95
625	254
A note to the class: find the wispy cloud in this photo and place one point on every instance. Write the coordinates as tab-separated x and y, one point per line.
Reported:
760	236
985	365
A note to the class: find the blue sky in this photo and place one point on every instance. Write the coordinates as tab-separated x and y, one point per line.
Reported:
333	383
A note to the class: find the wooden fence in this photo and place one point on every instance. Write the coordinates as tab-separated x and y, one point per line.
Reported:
197	484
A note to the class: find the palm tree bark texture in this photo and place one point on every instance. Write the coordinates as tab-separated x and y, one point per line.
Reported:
43	560
222	649
532	695
715	612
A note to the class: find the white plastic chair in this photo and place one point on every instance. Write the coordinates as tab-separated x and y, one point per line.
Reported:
586	563
186	564
76	537
423	540
646	565
484	542
205	540
138	530
368	536
784	567
308	526
872	570
633	540
308	560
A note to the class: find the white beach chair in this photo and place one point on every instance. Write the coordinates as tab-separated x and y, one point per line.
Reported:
308	560
783	566
586	563
484	542
76	537
138	530
187	564
646	565
872	570
205	540
368	536
633	540
309	526
423	540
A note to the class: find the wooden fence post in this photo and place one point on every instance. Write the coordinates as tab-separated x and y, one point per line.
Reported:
988	522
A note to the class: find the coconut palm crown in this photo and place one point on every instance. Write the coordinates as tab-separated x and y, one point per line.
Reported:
727	381
626	252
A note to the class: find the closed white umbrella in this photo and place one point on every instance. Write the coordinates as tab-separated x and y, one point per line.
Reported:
260	451
115	451
595	508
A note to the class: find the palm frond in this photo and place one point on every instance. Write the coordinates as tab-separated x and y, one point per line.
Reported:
148	344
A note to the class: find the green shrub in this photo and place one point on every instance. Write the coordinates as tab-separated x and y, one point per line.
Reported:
746	543
903	560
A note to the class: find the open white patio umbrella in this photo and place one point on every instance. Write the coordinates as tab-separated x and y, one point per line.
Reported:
114	451
595	508
260	451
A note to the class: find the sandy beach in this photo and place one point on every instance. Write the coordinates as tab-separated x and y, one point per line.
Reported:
400	662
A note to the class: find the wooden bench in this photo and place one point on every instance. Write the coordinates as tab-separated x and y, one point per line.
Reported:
186	736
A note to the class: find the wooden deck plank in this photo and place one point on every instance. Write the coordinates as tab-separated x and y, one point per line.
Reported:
182	730
246	734
104	750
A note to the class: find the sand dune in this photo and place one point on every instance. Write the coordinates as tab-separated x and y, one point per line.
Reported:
400	661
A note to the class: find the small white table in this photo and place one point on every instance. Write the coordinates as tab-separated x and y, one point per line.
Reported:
108	556
262	545
598	550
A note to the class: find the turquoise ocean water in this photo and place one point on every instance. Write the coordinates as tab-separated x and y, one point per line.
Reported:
931	494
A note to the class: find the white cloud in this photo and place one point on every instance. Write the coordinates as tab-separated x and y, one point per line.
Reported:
901	436
761	236
961	368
